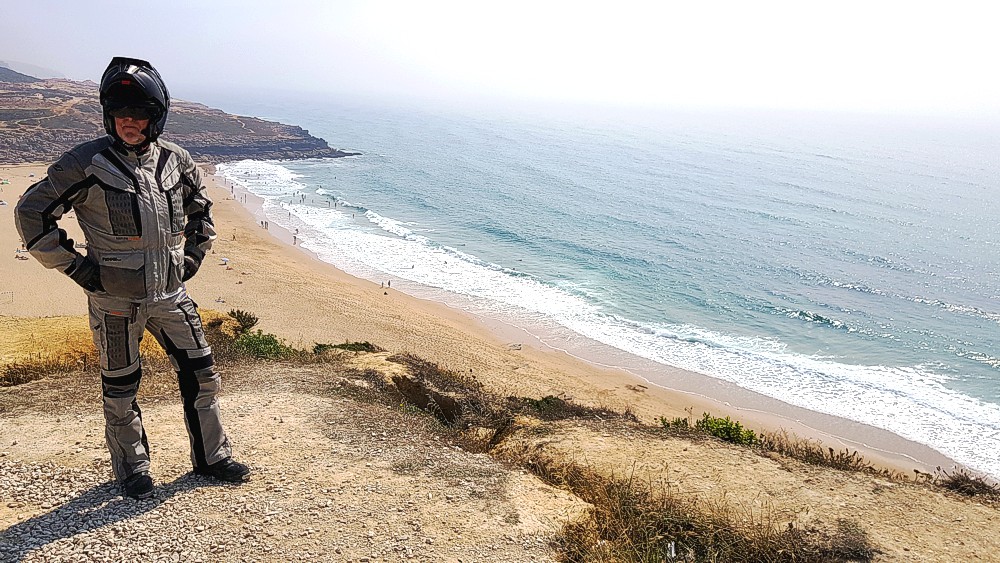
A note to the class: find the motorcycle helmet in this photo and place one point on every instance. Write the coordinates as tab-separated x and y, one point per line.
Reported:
134	83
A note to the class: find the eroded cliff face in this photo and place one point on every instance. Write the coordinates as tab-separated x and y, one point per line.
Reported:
40	120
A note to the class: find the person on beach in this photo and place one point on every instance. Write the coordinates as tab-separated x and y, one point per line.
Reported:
147	222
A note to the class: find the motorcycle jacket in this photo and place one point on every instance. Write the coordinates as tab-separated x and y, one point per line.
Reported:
141	215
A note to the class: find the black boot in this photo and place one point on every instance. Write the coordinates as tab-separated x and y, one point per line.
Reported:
138	486
226	470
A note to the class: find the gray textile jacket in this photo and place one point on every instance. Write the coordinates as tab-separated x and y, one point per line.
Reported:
140	214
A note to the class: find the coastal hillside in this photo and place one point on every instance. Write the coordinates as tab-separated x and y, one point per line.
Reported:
40	119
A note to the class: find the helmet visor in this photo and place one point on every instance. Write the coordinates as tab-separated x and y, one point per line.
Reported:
131	112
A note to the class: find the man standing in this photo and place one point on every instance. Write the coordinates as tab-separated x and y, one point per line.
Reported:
147	220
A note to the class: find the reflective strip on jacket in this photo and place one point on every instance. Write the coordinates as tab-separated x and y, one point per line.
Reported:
140	215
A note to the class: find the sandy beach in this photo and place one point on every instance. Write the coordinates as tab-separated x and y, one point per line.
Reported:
305	301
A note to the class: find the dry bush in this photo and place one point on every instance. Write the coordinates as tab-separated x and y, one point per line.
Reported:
245	320
966	483
638	521
221	331
485	416
443	380
370	386
482	417
552	407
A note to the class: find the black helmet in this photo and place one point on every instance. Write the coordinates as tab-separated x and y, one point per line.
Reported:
134	83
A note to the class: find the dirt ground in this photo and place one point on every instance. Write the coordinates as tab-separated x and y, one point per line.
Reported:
334	480
341	479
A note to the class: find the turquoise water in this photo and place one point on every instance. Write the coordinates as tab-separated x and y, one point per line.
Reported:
844	265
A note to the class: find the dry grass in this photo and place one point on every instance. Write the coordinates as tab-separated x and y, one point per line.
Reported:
58	356
37	348
641	521
34	367
813	452
968	484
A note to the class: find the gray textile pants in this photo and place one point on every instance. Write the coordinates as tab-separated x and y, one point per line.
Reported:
118	327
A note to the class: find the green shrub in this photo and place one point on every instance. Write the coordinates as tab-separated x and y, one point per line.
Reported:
262	346
679	422
349	346
322	348
727	430
723	428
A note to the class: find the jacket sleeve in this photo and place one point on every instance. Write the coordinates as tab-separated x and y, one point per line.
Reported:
199	231
38	211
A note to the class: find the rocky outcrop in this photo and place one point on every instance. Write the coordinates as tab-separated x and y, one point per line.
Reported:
42	119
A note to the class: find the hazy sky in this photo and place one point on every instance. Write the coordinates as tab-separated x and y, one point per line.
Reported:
906	56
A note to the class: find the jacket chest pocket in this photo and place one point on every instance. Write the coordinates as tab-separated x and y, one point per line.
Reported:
174	194
123	274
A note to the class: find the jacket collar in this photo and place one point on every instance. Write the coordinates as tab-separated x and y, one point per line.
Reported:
132	154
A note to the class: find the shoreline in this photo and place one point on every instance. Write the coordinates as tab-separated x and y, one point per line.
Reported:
700	392
305	300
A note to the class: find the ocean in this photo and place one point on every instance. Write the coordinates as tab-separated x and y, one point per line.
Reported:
848	265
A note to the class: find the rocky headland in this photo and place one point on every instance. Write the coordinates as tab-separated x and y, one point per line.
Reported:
41	119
